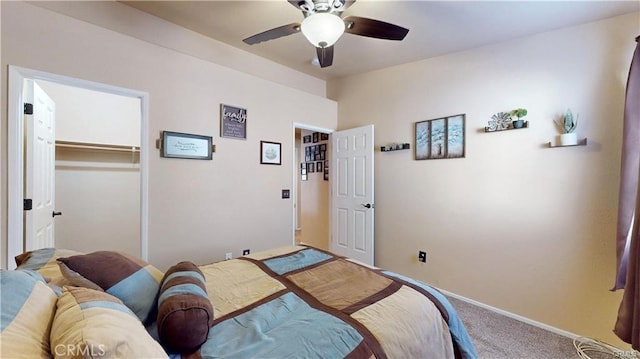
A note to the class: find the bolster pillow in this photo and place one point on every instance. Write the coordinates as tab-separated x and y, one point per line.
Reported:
185	313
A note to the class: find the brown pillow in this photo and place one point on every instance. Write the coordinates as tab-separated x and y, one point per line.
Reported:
135	282
185	312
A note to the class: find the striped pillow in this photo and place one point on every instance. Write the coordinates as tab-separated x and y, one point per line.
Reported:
28	306
185	312
44	261
129	279
93	324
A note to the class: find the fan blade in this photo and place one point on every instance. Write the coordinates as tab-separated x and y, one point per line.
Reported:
374	28
278	32
325	56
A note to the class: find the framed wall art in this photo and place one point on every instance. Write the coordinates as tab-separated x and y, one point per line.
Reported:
233	122
440	138
185	145
270	153
326	170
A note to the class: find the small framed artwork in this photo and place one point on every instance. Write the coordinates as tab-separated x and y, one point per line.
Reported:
440	138
315	137
233	122
270	153
185	145
303	177
311	167
323	147
306	139
324	136
318	167
326	173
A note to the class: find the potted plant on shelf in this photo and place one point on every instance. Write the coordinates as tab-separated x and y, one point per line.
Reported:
516	116
567	125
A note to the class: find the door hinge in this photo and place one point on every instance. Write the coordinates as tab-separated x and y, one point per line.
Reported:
27	204
28	109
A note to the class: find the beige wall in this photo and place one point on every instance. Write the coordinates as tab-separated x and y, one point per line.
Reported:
95	117
98	194
198	210
516	225
315	195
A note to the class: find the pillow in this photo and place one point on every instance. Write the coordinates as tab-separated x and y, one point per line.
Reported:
129	279
93	324
44	262
185	312
28	306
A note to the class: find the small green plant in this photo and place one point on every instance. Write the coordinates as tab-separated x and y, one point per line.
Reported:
568	123
518	113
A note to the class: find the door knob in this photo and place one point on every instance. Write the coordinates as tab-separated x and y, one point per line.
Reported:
368	205
56	214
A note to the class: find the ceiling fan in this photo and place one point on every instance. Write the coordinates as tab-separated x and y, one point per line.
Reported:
323	25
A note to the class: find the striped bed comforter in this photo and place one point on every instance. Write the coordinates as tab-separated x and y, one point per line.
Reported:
301	302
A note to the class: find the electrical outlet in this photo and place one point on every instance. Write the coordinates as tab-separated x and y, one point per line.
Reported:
246	252
422	256
228	256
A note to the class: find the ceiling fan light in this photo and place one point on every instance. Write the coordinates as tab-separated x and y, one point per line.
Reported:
322	29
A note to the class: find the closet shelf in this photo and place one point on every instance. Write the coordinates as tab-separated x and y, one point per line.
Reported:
97	146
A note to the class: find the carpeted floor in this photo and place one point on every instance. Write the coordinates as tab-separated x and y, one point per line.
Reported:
499	337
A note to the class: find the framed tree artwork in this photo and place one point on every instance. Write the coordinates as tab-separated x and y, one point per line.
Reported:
440	138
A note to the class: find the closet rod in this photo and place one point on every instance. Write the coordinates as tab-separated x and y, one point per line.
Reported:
96	146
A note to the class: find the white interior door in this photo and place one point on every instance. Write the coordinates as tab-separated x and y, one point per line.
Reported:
352	208
40	168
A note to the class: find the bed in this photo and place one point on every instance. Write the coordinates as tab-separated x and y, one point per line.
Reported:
290	302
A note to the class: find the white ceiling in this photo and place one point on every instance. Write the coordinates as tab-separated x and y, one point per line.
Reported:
436	27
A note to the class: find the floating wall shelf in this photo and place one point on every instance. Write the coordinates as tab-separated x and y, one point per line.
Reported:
582	142
404	146
525	125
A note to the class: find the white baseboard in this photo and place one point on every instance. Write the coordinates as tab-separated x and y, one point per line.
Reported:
512	315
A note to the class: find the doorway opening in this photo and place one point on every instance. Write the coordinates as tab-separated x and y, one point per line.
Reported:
312	192
16	146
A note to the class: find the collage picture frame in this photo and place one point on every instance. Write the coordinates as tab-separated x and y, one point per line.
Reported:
315	156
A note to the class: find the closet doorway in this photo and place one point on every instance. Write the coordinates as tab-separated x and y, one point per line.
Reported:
97	172
313	190
100	169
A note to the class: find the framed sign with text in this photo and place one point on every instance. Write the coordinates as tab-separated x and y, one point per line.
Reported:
233	122
185	145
